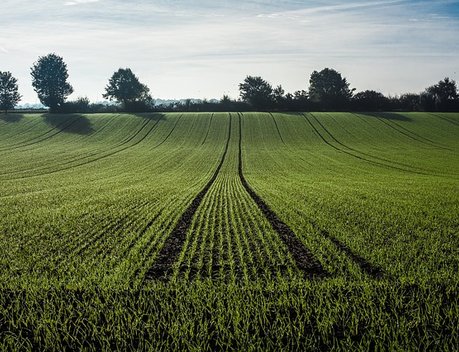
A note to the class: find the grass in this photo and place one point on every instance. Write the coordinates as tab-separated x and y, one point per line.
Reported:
89	203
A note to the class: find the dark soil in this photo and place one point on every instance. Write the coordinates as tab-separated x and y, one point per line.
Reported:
303	257
162	267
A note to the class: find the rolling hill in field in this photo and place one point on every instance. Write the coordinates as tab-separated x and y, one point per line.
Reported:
229	230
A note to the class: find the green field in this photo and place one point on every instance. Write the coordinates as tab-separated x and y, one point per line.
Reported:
253	231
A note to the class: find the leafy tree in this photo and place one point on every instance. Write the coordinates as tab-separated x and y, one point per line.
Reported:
82	104
125	87
279	97
257	92
440	96
370	100
49	79
9	95
329	89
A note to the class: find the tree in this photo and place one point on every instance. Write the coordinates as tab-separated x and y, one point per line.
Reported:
257	92
125	87
329	89
441	96
370	100
9	95
49	79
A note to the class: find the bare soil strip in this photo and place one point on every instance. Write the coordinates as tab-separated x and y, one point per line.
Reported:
303	257
162	267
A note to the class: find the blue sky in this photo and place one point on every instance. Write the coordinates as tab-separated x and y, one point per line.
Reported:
203	49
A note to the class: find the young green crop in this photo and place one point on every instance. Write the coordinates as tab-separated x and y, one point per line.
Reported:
89	201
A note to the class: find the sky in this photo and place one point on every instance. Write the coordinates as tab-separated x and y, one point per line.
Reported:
204	49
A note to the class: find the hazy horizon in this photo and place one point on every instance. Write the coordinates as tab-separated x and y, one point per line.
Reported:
204	49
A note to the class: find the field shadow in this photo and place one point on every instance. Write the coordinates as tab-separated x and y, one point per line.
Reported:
72	123
11	117
387	115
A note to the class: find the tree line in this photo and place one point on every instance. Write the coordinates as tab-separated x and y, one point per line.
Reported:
328	91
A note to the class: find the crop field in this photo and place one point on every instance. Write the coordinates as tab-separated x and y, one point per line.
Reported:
229	231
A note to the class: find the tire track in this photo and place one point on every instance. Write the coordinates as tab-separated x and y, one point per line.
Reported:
371	270
358	156
455	123
356	150
169	134
35	141
95	159
277	128
27	128
162	267
208	128
303	257
410	134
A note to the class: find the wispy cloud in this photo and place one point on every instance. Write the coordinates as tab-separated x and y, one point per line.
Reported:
205	48
78	2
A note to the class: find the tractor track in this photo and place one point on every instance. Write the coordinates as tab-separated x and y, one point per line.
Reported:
34	140
410	134
277	128
358	151
106	155
208	128
163	266
303	257
357	156
169	134
368	268
455	123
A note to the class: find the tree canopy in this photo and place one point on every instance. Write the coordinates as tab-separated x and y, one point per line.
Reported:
441	96
49	79
329	88
257	92
125	87
9	95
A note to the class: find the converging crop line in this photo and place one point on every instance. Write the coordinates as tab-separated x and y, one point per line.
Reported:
208	128
170	132
444	118
357	156
303	257
277	127
410	134
122	147
167	256
61	127
371	270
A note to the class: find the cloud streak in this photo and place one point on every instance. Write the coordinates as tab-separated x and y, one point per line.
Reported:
205	48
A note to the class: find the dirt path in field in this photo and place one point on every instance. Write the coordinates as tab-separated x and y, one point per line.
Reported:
303	257
162	267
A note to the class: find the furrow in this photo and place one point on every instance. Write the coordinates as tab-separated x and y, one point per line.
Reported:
277	127
304	259
410	134
208	128
171	249
34	140
358	156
